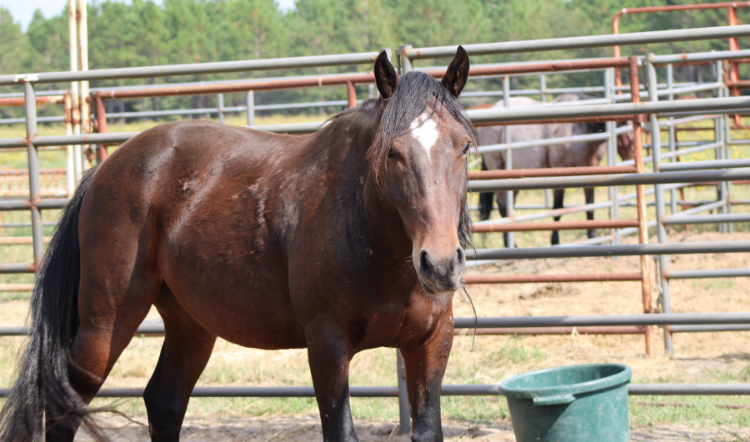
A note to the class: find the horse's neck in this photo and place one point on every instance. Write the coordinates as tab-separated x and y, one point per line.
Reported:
377	223
591	149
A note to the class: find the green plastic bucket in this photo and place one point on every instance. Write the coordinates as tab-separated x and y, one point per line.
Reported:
579	403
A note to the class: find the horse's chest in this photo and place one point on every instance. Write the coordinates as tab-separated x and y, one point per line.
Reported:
403	323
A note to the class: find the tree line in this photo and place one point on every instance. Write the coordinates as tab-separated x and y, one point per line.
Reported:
193	31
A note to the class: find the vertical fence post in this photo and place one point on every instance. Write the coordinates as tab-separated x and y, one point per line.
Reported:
101	126
403	397
728	155
661	233
543	94
250	104
83	55
220	103
672	135
351	95
641	201
721	194
70	176
728	137
75	114
509	203
609	94
721	151
734	45
34	184
404	57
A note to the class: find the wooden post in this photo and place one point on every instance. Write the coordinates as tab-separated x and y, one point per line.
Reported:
641	202
101	127
83	60
733	68
75	114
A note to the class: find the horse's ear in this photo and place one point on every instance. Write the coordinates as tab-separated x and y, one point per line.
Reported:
385	76
457	73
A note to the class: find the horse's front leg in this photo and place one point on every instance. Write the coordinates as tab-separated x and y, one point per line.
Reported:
589	192
425	365
329	352
559	203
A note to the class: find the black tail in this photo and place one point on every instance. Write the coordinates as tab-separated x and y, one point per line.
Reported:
42	382
485	200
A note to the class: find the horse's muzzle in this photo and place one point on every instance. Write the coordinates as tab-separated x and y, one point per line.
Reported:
441	274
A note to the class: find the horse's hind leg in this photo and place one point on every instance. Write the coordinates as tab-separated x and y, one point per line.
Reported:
111	304
185	353
589	192
558	204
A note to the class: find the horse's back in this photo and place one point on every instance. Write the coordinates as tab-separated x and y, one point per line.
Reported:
172	172
526	158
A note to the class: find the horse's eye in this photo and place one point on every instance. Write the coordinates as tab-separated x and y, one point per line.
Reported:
392	153
466	148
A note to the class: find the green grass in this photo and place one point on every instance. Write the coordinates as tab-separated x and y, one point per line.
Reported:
713	284
515	352
694	411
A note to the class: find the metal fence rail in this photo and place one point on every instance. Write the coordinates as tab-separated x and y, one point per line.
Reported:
445	390
598	41
610	112
192	69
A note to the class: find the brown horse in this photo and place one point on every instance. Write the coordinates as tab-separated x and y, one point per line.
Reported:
344	240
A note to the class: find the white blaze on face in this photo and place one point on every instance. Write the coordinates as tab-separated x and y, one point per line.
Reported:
425	131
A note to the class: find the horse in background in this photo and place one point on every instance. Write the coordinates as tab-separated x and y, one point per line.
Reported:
576	154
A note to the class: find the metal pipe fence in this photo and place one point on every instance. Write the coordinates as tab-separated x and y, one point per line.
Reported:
635	112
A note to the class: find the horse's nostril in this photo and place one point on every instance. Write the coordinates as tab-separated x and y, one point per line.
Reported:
425	266
461	256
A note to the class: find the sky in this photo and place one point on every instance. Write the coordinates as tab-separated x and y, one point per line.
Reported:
23	10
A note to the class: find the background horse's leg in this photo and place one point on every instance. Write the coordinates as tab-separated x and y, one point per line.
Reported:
329	352
485	200
425	367
185	353
558	204
589	192
485	205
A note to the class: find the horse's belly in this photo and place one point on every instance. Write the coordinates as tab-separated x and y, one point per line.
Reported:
530	158
254	317
237	291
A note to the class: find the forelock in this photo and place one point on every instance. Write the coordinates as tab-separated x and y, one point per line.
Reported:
414	92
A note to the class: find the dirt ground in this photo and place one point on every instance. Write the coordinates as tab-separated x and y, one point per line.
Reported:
307	428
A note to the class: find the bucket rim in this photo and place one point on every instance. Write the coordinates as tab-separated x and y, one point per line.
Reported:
617	379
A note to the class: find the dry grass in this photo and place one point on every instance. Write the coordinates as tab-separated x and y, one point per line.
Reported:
705	357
